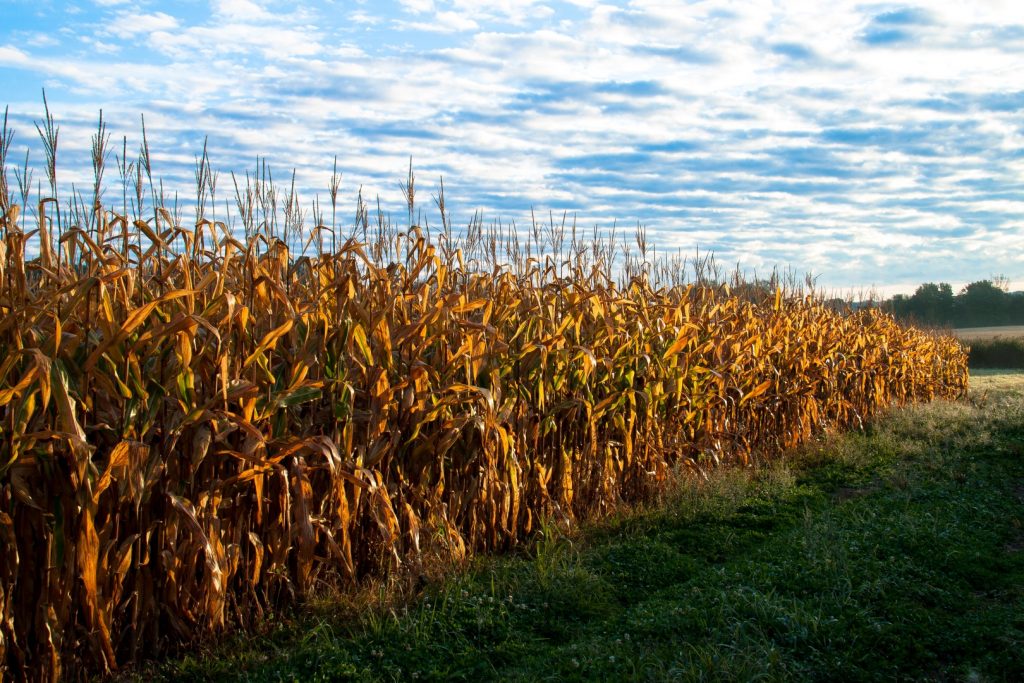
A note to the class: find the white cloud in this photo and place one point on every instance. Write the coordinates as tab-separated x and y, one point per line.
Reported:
127	24
364	18
41	40
441	22
237	39
12	56
241	10
513	11
97	46
417	6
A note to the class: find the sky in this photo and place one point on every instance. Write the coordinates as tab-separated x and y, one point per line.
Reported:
874	145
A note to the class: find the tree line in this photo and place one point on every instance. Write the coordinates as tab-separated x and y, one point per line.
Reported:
980	304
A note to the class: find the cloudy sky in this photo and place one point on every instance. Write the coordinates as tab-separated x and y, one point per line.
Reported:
873	144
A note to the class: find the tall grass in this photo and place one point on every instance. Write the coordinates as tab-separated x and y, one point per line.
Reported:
997	352
199	424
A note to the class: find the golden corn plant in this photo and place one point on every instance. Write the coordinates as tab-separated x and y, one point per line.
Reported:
196	428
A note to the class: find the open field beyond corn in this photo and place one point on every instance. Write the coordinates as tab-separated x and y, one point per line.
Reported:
977	334
200	425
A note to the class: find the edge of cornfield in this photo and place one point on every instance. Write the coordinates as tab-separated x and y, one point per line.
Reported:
895	551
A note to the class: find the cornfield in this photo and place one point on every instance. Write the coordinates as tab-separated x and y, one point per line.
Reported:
197	427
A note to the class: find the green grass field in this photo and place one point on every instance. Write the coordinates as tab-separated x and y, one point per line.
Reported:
894	553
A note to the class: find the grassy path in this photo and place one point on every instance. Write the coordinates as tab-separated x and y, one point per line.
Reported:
894	553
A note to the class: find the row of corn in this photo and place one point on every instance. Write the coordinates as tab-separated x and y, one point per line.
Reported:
195	430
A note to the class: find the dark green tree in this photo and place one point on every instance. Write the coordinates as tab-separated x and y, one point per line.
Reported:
982	303
931	304
979	304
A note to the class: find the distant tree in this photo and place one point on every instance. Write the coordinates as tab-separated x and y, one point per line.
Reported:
982	303
1015	307
979	304
932	304
899	306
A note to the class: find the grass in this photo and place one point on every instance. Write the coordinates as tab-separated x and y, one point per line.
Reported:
892	553
997	352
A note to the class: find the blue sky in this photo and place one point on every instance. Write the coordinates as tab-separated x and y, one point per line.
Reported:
873	144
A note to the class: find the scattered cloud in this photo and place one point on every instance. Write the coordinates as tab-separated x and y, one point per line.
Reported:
441	22
417	6
41	40
241	10
875	144
364	18
128	24
12	56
